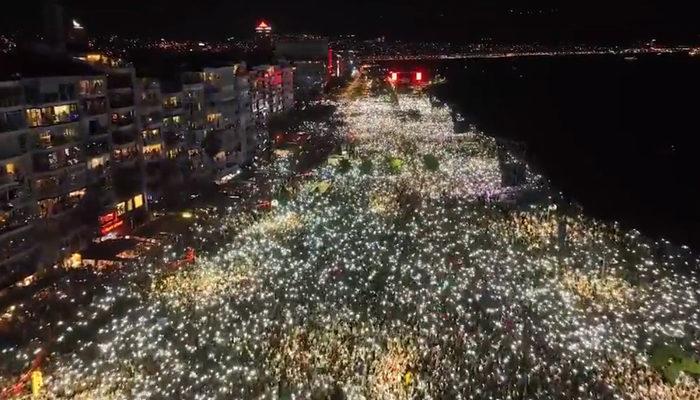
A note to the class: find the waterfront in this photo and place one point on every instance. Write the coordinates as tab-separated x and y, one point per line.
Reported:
401	268
618	135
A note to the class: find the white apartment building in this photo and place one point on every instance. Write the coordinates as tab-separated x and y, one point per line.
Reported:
128	207
195	121
223	142
152	149
17	207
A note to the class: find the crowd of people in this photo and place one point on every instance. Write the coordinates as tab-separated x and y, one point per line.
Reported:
378	279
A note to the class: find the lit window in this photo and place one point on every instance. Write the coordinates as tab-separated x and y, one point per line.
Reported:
34	117
45	138
129	205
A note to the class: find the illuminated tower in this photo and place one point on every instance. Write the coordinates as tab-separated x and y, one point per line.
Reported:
263	45
263	35
263	29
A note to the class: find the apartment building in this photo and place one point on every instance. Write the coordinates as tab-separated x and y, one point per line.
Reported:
246	126
193	104
85	149
272	90
152	149
174	132
54	162
222	143
59	179
17	207
129	208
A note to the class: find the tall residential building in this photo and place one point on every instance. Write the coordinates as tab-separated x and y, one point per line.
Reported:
57	138
128	208
195	122
222	143
98	140
174	132
55	154
246	125
272	90
17	208
85	146
152	149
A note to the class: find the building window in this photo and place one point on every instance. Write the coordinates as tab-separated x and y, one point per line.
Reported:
8	170
34	117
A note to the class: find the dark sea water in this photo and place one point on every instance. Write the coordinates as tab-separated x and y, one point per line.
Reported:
620	137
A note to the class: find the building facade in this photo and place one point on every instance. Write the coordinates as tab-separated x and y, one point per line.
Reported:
18	250
83	156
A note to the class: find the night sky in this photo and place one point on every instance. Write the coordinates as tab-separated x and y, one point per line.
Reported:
505	20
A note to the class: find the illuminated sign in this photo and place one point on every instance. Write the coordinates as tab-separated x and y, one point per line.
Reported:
107	218
110	222
394	76
138	200
419	76
111	227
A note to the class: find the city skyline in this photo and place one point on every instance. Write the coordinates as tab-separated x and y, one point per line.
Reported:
505	20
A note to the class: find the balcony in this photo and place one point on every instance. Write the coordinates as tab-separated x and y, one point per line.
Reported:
172	103
95	128
151	101
121	101
13	172
95	149
49	139
12	123
152	120
58	185
55	160
13	146
54	115
66	92
15	246
99	175
128	154
153	156
122	120
11	96
151	136
171	138
173	123
120	138
92	88
13	217
60	205
95	106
